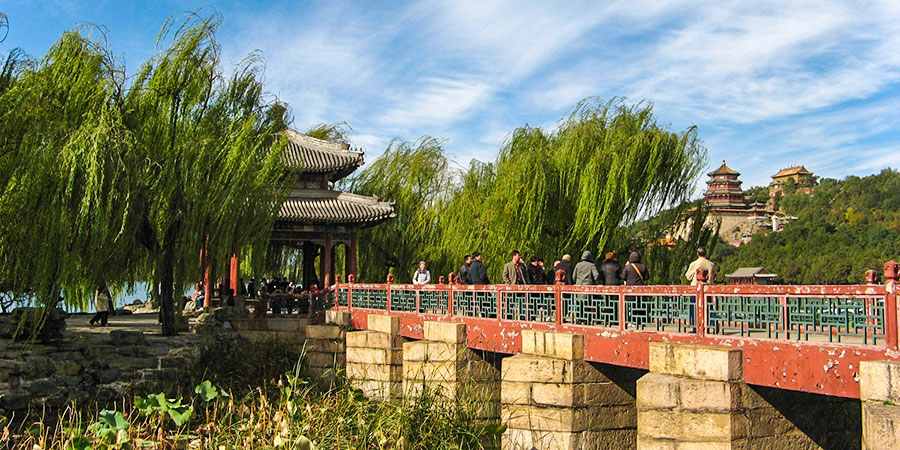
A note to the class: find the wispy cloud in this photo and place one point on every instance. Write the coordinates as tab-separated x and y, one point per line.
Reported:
769	83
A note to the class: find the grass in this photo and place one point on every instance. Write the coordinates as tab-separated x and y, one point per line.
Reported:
284	412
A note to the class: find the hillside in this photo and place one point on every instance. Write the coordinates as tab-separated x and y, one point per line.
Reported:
844	228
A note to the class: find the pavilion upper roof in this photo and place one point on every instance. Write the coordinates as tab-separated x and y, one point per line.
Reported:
311	155
796	170
319	206
723	170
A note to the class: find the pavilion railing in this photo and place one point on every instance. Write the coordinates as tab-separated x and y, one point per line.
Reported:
852	314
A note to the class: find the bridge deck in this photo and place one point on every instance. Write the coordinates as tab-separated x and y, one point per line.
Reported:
806	338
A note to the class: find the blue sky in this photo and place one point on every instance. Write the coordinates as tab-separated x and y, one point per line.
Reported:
769	84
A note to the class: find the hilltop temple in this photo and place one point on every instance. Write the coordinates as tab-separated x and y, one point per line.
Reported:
797	175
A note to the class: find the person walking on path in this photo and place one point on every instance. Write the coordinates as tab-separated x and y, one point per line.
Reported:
566	266
701	264
464	277
422	275
513	271
611	270
477	271
102	299
586	273
634	273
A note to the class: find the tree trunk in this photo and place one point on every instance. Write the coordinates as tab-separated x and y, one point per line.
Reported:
167	288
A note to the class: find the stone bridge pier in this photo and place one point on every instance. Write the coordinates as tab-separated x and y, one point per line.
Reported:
695	397
549	397
553	399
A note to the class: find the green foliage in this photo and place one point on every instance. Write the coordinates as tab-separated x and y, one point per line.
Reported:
843	229
114	181
416	177
548	193
110	429
296	416
159	405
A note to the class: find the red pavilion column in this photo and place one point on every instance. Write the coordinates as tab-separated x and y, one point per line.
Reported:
234	275
351	256
327	260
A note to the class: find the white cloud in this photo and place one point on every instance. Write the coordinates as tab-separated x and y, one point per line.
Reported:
435	101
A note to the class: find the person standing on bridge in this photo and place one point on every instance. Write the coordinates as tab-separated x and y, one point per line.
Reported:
536	271
586	273
634	273
566	266
477	271
513	271
464	277
701	264
611	270
421	276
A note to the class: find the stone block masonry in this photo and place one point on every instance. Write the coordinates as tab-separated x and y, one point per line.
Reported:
695	397
879	386
444	366
375	358
552	399
326	354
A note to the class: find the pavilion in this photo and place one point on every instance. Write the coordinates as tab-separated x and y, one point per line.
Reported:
315	218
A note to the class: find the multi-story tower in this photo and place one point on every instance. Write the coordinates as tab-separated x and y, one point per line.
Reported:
723	191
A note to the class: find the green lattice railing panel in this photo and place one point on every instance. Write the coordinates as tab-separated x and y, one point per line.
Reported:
370	298
403	300
529	306
745	316
831	319
433	302
341	296
836	318
475	304
673	313
601	310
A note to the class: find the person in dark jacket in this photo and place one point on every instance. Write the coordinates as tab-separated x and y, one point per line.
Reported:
611	270
514	271
566	266
477	271
536	272
551	274
634	273
464	277
586	273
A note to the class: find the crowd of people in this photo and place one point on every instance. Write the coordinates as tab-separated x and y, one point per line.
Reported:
586	272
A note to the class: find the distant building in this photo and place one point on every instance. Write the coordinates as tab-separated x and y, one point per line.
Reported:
751	275
797	175
723	192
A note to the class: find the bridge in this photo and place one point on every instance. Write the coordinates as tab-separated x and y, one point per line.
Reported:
804	338
646	367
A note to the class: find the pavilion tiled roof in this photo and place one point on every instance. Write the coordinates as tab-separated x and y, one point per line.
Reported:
317	206
796	170
311	155
723	170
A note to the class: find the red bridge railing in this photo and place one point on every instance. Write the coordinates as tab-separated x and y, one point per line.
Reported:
808	338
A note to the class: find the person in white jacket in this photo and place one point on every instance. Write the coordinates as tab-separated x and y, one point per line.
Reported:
421	276
102	300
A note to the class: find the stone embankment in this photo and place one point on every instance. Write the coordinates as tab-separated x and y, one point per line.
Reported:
83	363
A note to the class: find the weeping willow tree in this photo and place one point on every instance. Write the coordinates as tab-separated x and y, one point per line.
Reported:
65	180
214	172
549	193
104	183
415	176
607	165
